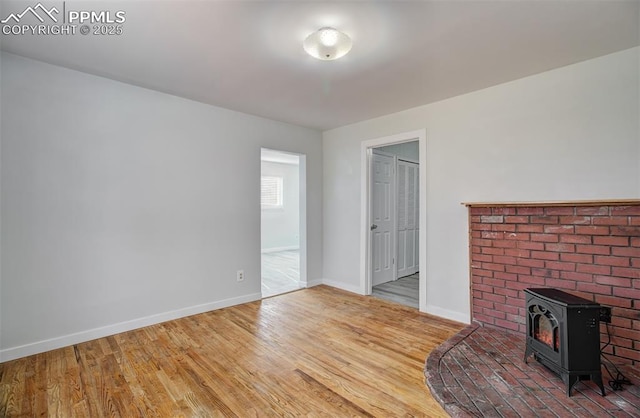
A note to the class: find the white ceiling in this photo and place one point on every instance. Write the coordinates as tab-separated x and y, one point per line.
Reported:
248	56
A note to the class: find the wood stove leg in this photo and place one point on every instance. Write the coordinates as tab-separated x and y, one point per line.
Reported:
597	379
570	381
527	352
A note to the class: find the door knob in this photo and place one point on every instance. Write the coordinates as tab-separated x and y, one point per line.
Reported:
374	226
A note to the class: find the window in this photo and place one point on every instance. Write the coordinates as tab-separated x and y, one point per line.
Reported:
271	192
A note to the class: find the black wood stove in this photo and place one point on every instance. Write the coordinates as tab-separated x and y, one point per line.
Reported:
563	333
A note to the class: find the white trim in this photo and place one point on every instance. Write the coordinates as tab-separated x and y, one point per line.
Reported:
446	313
365	191
80	337
278	249
422	233
313	283
342	285
365	241
302	208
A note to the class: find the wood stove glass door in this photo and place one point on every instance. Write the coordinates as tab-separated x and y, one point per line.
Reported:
545	327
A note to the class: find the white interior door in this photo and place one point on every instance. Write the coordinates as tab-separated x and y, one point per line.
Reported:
408	210
383	219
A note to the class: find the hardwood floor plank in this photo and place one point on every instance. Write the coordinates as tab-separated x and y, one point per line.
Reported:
325	394
315	352
13	383
40	395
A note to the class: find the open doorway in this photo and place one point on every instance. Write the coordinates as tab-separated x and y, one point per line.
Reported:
406	153
281	220
395	223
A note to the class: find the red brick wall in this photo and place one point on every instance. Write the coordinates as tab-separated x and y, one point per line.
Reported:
589	251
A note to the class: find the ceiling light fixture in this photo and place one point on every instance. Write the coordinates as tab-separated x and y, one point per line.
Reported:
327	44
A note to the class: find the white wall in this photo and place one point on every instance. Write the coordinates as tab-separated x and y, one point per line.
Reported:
123	206
280	227
571	133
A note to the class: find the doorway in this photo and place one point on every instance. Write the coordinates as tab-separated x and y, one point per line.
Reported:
281	196
395	246
407	240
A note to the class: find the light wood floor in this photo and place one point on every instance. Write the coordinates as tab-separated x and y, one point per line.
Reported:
280	272
315	352
403	291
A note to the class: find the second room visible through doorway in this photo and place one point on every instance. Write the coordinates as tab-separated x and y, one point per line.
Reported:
280	222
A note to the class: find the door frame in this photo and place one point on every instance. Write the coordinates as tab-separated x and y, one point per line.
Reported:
366	153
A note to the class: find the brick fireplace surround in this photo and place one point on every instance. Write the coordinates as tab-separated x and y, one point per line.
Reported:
587	248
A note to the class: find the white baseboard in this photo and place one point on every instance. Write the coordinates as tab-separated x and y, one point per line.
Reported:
448	314
312	283
80	337
340	285
278	249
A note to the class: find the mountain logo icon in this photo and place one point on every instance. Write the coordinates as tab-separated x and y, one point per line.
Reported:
38	11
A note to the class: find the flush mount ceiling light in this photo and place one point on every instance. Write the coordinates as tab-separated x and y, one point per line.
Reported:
327	44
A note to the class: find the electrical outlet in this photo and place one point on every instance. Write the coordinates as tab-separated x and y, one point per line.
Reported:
605	314
240	275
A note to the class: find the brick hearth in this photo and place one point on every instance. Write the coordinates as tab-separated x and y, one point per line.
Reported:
480	373
590	249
